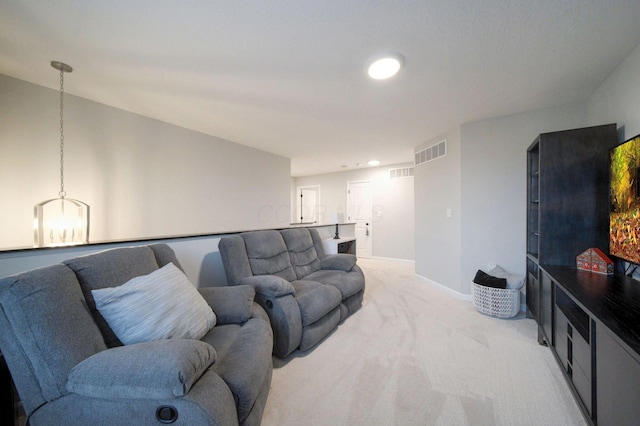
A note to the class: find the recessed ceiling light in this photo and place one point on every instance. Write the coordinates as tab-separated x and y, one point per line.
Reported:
385	66
374	163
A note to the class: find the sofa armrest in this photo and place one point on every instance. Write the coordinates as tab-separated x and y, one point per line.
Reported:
269	285
286	322
260	313
342	262
157	369
232	305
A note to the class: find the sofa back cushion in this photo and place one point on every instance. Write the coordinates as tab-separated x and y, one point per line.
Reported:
161	305
110	268
268	255
317	243
46	331
302	252
233	253
164	255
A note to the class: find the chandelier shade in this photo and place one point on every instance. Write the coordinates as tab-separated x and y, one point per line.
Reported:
61	221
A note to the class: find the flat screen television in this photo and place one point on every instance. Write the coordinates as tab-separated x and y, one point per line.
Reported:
624	200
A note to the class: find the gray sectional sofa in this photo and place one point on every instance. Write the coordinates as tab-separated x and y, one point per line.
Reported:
70	368
305	292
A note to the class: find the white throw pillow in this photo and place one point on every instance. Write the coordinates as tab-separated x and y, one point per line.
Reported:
161	305
513	281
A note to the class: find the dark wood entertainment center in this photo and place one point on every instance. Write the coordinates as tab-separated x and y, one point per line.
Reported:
590	321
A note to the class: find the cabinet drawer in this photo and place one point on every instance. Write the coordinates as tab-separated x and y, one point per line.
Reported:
582	354
582	384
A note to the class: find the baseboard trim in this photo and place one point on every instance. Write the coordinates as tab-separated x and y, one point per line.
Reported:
456	294
392	259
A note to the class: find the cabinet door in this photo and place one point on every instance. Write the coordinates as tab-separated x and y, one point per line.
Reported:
533	290
618	381
561	341
533	199
546	307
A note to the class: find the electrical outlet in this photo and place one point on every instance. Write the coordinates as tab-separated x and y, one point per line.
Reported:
490	266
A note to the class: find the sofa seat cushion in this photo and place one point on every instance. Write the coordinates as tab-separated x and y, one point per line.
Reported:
349	283
160	369
160	305
342	262
315	300
244	360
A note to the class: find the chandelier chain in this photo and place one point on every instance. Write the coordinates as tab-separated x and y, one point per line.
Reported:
62	193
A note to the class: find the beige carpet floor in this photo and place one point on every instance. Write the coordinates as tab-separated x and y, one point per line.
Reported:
416	355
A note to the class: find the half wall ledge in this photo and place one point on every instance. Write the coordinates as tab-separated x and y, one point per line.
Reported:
198	253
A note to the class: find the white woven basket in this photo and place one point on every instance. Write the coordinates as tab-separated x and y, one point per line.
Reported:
497	302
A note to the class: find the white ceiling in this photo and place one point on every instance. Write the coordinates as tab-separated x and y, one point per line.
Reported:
288	76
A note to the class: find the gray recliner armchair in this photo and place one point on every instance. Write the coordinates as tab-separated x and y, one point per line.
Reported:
305	292
70	369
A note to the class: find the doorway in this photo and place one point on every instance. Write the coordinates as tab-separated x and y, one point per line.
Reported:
308	204
359	212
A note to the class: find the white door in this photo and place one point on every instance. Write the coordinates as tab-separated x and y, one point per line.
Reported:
359	212
308	204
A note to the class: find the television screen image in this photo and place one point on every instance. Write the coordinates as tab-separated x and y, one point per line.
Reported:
624	193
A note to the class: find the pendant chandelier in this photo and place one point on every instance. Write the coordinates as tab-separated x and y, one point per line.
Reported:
61	221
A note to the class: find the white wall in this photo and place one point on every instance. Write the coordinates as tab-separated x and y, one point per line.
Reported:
141	177
483	181
392	202
617	100
438	238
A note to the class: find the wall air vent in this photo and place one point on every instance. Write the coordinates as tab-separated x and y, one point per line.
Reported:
431	153
401	173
